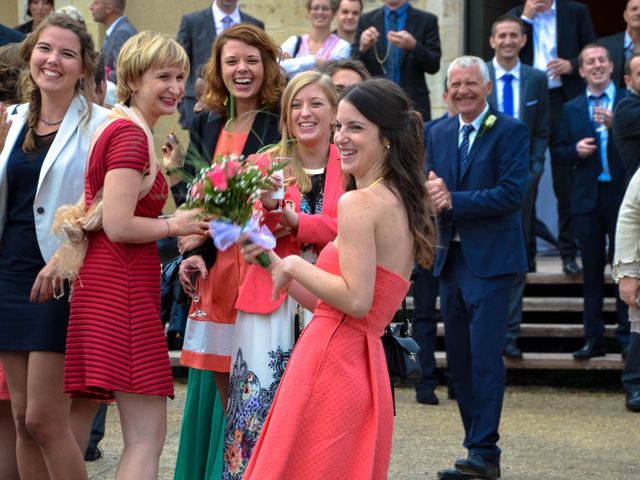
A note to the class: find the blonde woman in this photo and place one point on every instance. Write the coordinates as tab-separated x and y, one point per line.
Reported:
116	348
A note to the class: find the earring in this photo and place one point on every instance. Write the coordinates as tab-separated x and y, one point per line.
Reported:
387	146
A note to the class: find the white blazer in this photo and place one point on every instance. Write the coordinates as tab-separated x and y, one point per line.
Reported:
61	179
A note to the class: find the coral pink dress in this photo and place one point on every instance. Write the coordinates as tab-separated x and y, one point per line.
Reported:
115	341
332	416
4	388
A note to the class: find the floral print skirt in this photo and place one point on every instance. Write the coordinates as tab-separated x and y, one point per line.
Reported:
262	345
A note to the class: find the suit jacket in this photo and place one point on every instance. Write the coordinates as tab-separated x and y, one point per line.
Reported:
122	32
486	198
574	30
615	44
626	133
534	111
197	33
9	35
256	288
576	125
427	127
61	178
425	58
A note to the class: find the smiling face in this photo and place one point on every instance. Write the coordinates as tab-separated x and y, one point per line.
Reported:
596	68
56	62
468	92
310	116
320	14
632	14
348	14
158	92
358	141
242	69
507	41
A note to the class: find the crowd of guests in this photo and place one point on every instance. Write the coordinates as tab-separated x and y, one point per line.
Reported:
362	193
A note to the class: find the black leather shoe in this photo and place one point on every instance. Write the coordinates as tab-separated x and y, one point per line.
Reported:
453	474
427	397
92	454
511	350
570	267
478	467
633	401
593	347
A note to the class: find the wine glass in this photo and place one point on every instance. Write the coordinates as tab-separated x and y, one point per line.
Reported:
194	277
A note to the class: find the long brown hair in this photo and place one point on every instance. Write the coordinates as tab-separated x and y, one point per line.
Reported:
216	95
30	90
384	104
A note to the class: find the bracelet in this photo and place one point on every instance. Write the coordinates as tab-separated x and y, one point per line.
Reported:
168	227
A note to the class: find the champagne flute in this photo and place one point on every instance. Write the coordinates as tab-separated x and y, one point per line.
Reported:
194	278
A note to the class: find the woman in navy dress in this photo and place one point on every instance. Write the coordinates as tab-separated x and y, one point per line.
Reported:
41	168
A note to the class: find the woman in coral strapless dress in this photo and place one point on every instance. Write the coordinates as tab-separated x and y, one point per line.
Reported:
332	416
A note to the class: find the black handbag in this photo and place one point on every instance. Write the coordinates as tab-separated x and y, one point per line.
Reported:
401	351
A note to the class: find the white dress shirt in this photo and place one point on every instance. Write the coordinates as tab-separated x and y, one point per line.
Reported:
218	15
515	85
545	43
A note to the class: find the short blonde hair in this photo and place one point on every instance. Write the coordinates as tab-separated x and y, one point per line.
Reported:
143	51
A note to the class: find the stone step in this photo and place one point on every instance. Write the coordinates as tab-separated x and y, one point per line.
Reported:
554	361
549	272
549	330
547	304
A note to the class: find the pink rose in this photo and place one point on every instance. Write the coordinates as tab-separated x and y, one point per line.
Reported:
262	161
232	168
218	178
197	191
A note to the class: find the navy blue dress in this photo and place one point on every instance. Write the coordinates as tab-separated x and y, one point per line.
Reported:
26	326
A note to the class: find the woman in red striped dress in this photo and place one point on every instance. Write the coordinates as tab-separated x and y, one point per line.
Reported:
116	348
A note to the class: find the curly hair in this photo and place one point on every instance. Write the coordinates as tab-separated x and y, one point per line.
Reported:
402	126
216	95
11	65
28	87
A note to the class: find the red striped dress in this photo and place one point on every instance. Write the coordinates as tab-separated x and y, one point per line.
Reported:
115	341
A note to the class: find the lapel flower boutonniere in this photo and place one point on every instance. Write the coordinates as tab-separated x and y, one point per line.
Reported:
488	122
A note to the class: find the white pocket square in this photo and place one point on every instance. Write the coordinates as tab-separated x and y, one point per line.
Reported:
532	102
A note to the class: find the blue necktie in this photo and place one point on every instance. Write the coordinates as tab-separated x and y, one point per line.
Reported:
603	138
390	64
507	95
227	22
463	149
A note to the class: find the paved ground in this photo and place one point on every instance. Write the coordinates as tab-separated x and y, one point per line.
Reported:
548	434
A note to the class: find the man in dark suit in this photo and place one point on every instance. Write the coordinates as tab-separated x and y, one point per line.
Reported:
119	30
478	200
400	43
197	32
9	35
557	30
586	146
621	45
522	92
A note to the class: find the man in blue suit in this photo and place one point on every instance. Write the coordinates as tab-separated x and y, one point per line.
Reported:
479	163
585	144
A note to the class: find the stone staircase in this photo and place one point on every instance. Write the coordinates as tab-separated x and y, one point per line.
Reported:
552	323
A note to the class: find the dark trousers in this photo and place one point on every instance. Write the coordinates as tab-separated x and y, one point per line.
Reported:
474	310
98	426
562	178
593	230
631	372
528	222
425	292
185	108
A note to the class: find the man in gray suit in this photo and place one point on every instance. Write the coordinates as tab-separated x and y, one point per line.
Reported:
522	92
119	30
198	30
621	45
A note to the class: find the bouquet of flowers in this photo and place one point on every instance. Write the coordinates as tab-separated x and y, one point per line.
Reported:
227	191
